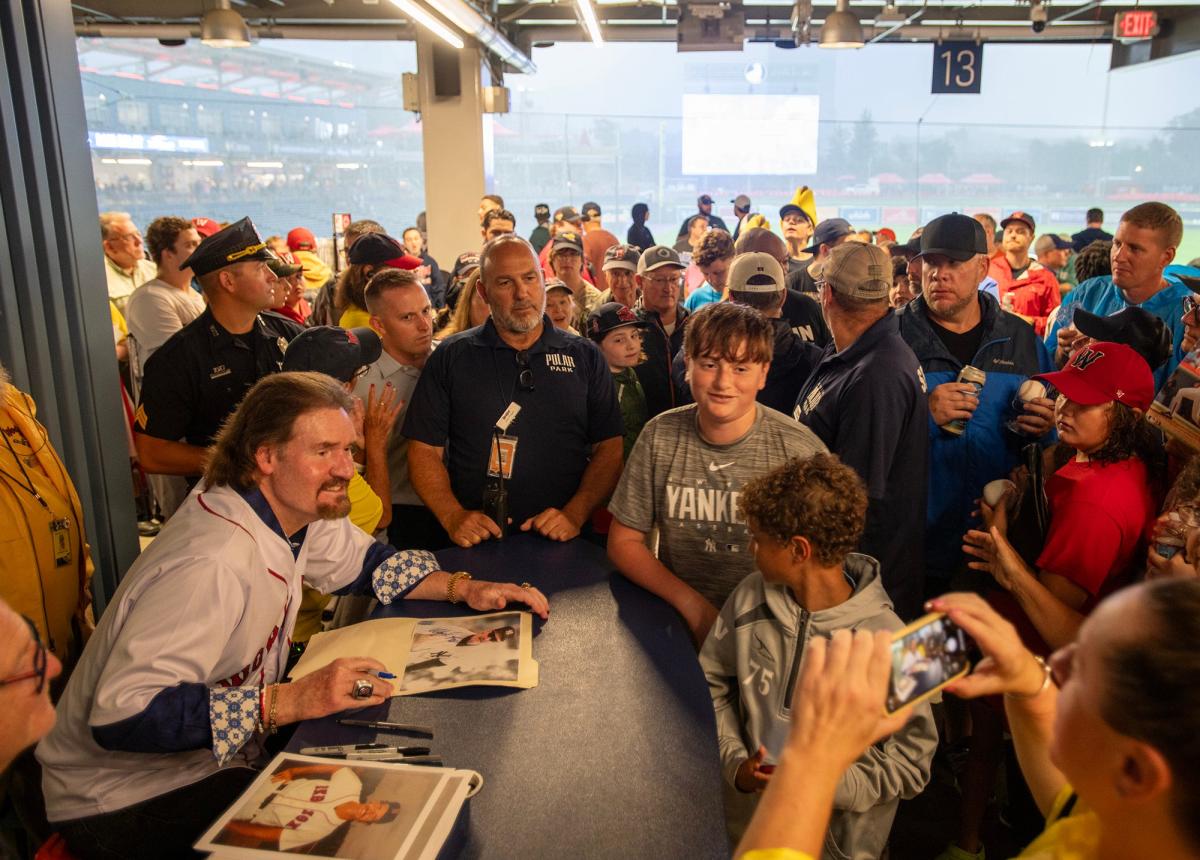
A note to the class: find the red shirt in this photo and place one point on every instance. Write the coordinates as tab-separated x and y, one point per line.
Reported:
595	243
1100	519
548	271
1101	516
1035	294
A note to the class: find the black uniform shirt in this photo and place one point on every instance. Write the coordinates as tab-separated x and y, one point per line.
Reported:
199	376
470	380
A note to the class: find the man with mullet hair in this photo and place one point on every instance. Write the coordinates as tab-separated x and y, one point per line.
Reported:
165	717
687	469
1142	276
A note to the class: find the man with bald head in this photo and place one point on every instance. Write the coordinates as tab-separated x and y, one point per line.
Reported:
802	312
515	398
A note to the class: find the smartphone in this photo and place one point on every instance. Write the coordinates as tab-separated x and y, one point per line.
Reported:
926	656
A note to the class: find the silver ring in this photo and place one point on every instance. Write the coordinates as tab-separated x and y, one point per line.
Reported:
363	689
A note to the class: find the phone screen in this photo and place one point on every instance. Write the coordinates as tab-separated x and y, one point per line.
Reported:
926	657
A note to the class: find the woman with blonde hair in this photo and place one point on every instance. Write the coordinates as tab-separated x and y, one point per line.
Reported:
471	311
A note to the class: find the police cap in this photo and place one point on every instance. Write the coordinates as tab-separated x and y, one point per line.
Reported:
237	243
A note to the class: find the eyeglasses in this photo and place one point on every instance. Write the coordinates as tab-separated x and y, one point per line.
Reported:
667	282
39	662
525	377
1189	306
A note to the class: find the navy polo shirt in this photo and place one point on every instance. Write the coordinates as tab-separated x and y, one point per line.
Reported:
469	381
868	405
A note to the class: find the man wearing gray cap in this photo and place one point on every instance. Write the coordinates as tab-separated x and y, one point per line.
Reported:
660	279
866	401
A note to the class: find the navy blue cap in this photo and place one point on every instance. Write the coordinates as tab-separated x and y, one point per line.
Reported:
609	316
237	243
827	232
792	209
338	352
568	240
373	249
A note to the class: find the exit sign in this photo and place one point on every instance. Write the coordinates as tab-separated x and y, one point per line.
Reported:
1135	25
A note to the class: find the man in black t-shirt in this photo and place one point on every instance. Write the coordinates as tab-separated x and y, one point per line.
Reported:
1094	232
802	312
829	234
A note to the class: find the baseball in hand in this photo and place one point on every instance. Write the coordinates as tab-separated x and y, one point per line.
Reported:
1031	389
994	491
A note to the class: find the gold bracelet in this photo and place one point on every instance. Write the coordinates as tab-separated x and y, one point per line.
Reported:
1047	677
271	727
452	585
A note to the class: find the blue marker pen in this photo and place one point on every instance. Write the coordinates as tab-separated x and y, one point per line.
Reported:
387	676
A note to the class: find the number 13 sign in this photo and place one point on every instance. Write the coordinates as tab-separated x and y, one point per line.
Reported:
957	67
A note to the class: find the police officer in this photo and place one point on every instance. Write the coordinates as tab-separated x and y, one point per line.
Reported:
200	374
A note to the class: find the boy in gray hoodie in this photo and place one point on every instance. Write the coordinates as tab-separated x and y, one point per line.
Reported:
805	519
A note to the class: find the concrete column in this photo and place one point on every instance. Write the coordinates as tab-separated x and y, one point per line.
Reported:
456	152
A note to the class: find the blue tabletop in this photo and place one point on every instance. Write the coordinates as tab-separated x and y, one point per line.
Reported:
613	754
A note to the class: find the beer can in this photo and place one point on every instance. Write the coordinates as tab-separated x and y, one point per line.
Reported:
970	376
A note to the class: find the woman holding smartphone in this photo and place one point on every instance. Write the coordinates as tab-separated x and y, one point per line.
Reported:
1103	502
1107	734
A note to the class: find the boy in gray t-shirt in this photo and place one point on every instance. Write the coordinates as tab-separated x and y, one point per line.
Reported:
688	467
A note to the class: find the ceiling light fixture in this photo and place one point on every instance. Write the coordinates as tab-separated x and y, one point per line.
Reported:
841	28
467	19
222	27
588	16
430	23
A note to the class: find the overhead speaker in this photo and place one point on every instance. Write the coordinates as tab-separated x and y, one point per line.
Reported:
447	80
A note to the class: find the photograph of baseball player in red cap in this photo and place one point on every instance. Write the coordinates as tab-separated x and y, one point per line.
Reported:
450	652
307	806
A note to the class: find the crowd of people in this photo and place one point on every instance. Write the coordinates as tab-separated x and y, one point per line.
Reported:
784	436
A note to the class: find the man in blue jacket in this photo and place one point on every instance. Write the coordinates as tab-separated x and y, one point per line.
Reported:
952	324
1142	276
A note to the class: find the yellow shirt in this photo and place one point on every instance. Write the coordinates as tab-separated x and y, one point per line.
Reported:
355	318
1075	837
365	512
48	585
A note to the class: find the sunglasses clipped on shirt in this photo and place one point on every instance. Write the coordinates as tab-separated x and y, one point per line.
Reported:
39	662
525	377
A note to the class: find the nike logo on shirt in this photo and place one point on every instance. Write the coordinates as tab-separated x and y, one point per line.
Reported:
713	467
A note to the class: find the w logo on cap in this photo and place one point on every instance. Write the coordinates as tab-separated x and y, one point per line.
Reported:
1086	357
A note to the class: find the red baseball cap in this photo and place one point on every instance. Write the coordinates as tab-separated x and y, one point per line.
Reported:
206	227
886	233
302	239
407	262
1102	372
